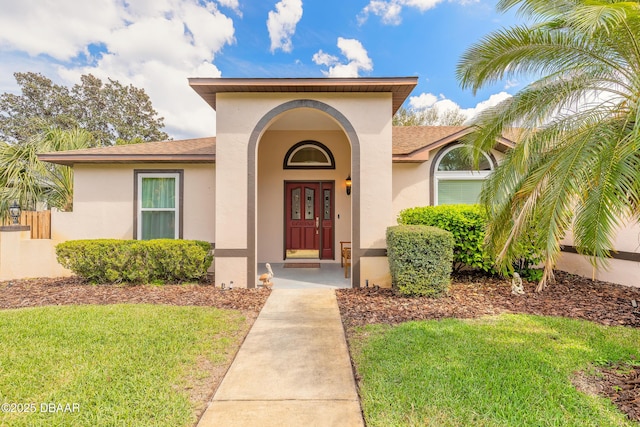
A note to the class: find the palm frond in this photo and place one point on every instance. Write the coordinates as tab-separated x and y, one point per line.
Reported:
538	51
23	177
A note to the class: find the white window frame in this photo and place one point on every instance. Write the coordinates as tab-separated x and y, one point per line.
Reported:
456	175
328	164
315	147
176	208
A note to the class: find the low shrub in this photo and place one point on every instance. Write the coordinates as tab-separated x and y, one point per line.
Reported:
467	223
420	259
136	261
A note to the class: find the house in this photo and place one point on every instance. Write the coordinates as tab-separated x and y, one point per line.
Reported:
272	184
297	166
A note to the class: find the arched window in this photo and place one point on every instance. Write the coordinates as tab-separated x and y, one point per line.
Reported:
309	155
454	180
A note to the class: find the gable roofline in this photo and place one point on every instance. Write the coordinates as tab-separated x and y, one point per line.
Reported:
399	87
425	139
410	144
196	150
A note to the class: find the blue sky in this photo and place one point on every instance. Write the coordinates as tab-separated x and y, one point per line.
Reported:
158	44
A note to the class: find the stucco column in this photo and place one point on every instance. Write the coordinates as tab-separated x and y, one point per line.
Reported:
376	206
231	252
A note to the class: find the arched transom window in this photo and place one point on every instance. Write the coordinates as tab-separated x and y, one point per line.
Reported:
309	155
454	178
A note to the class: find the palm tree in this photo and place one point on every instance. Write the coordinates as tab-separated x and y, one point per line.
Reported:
577	164
24	178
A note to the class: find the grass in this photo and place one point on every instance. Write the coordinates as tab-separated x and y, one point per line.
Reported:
510	370
127	365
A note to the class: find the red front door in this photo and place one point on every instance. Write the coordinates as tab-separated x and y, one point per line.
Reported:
309	220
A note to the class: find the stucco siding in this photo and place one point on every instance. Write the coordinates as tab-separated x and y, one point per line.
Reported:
104	202
410	186
617	271
21	257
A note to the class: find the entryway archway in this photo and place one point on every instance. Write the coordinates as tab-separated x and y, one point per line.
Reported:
274	220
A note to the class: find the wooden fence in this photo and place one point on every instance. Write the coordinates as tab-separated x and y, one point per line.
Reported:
40	223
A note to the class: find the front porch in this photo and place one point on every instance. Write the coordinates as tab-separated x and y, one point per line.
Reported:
326	276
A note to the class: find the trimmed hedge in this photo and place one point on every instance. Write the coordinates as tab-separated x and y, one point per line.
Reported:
420	259
136	261
465	222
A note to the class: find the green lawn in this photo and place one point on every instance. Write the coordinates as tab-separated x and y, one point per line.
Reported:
129	365
510	370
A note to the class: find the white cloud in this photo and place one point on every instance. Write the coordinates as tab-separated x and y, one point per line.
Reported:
425	101
422	101
444	104
282	24
322	58
231	4
61	29
441	103
493	100
390	11
355	54
511	83
152	44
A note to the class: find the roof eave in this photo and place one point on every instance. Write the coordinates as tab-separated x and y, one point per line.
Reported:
399	87
419	157
67	160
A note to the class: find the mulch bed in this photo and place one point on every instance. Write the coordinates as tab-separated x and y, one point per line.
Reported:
474	295
72	290
621	384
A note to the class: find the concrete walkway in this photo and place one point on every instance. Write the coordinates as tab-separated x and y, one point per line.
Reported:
292	370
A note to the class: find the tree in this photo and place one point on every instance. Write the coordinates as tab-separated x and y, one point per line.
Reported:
24	178
110	111
431	116
577	163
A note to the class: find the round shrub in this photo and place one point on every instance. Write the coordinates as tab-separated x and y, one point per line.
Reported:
420	259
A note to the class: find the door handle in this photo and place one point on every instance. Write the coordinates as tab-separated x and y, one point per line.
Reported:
317	224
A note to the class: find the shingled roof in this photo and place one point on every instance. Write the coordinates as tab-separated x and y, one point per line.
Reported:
414	143
198	150
407	139
410	144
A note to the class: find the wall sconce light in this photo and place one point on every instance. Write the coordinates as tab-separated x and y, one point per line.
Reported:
348	184
14	212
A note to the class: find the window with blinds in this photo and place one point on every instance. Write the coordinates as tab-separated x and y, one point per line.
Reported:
158	205
455	180
459	191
